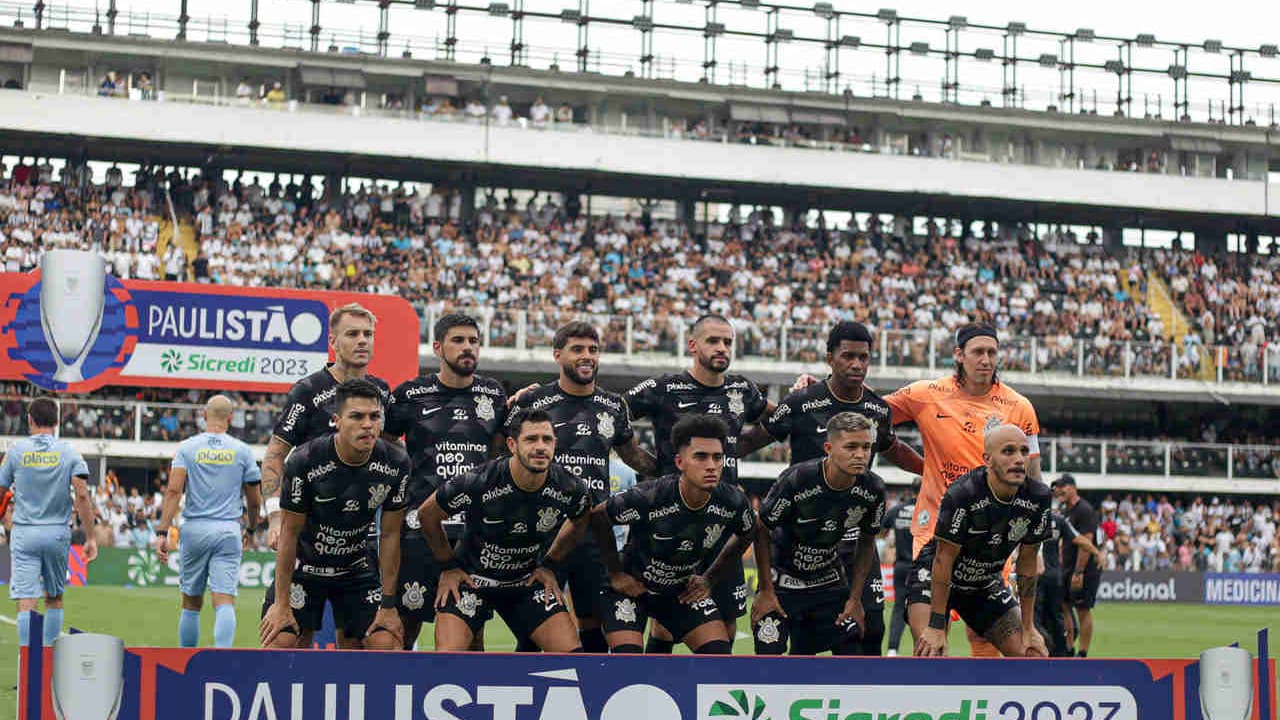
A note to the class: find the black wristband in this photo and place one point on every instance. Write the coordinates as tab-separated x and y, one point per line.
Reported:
450	564
389	602
938	621
162	533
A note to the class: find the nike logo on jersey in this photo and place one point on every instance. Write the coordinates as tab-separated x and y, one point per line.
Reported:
976	532
942	417
326	500
560	425
805	521
663	537
430	411
682	406
822	429
491	521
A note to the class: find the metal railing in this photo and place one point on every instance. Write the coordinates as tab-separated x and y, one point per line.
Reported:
134	421
657	335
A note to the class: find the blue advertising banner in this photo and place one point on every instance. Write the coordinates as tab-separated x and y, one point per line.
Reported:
1241	589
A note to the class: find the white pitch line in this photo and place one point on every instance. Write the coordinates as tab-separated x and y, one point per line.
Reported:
8	620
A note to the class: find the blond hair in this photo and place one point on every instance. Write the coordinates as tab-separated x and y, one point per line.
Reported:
355	309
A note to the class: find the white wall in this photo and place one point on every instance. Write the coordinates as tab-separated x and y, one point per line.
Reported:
321	132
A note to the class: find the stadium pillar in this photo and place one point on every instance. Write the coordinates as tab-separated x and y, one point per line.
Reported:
687	210
468	193
1113	240
1211	242
332	186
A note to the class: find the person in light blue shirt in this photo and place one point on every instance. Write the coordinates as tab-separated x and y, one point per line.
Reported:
212	469
42	471
621	478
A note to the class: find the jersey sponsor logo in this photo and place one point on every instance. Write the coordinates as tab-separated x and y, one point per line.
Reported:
493	521
420	390
383	468
322	500
546	599
624	610
291	418
548	518
629	515
554	494
1025	504
713	533
320	471
957	520
924	518
674	386
519	528
604	425
806	494
1018	529
373	597
36	458
459	415
351	506
663	511
209	456
324	396
719	510
495	493
546	402
484	408
378	495
685	546
815	404
830	525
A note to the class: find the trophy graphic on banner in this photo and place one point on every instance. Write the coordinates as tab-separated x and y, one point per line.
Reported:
1226	683
72	285
88	676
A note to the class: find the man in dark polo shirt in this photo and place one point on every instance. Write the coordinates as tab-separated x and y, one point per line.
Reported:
1086	574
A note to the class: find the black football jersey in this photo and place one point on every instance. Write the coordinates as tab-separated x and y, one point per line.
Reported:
898	519
340	502
508	529
668	542
988	529
308	410
1060	531
807	519
666	399
801	419
587	428
448	431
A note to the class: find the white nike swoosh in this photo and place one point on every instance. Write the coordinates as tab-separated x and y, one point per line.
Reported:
663	537
325	500
685	405
560	425
803	521
429	411
489	521
822	429
976	532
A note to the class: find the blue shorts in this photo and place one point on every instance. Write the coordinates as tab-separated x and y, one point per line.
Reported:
39	554
209	556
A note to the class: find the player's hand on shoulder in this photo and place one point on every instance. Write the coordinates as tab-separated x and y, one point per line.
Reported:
451	582
697	589
626	585
804	381
515	397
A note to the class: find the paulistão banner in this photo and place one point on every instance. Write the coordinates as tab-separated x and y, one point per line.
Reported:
72	327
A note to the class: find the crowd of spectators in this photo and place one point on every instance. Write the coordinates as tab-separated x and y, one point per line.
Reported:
1148	532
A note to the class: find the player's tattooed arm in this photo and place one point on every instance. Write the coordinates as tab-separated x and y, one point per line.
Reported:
639	459
272	475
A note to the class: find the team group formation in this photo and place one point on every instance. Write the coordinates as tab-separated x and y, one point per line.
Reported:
443	501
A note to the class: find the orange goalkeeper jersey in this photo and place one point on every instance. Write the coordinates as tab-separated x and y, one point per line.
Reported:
953	424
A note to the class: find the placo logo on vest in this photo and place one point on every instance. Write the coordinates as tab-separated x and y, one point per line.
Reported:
913	702
445	701
1130	589
233	337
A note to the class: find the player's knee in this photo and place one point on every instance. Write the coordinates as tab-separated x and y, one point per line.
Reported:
626	649
771	634
714	647
381	639
286	639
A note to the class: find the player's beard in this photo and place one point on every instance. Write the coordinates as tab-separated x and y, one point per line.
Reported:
571	373
461	370
525	462
714	363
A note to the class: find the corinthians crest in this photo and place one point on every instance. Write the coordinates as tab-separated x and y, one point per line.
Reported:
547	519
713	535
854	515
484	407
625	610
767	632
1018	529
468	603
604	425
736	406
378	494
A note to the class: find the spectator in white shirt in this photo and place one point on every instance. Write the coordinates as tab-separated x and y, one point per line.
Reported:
540	113
502	113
